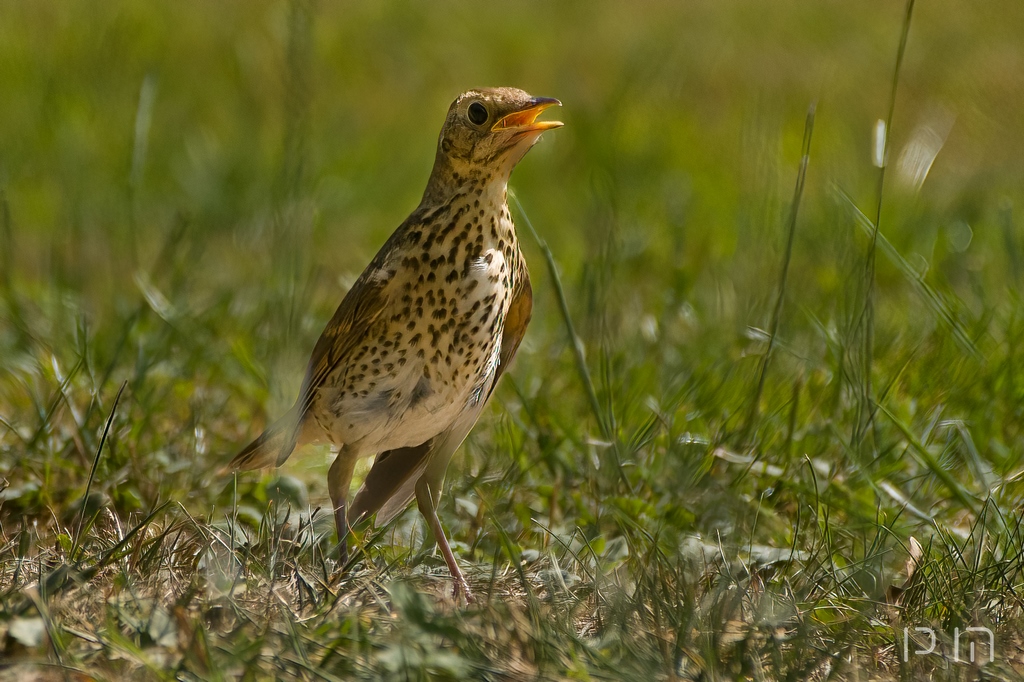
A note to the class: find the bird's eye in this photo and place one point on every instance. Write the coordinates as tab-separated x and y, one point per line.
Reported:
477	113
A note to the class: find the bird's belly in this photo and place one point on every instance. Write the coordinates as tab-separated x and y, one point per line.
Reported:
418	378
408	408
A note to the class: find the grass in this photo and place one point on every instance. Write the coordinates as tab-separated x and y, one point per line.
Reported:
765	423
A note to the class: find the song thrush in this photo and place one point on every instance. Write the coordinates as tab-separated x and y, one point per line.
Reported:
403	369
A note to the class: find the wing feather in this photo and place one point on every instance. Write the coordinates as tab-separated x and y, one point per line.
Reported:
361	308
520	310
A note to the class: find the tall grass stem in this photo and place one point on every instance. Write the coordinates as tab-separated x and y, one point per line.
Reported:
867	404
794	210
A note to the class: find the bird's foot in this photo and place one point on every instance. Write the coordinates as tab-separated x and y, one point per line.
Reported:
341	556
461	588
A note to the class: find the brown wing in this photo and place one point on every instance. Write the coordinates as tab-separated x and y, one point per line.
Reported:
362	306
390	484
516	321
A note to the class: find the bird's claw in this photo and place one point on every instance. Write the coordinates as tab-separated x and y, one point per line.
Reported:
461	588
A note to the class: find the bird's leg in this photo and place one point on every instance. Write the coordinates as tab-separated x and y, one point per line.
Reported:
426	500
338	480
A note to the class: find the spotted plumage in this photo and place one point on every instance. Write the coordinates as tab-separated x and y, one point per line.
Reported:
404	367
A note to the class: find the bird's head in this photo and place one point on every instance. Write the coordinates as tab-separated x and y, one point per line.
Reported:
487	131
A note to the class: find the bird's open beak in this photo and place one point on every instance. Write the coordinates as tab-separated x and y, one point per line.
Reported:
525	120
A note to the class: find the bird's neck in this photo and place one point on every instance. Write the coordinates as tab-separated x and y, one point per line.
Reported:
448	181
470	198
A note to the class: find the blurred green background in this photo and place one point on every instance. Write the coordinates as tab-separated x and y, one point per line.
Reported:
189	188
312	126
247	159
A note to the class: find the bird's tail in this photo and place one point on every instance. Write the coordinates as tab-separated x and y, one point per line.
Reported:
271	448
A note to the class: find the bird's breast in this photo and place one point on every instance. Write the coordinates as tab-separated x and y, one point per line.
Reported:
436	346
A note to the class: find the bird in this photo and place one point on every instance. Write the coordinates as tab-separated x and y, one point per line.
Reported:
405	366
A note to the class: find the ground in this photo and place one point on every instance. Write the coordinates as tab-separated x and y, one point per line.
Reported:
767	422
